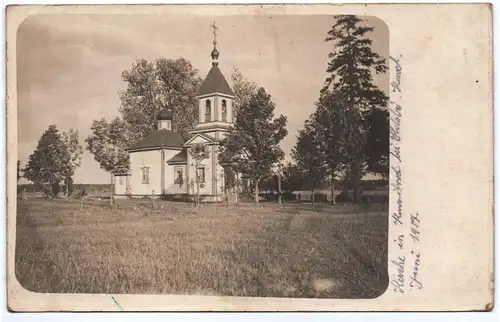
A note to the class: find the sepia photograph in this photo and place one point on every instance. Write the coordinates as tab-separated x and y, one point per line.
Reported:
249	158
172	154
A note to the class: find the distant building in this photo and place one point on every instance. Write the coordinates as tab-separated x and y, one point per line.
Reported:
161	162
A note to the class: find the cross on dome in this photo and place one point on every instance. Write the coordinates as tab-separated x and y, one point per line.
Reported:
215	52
215	28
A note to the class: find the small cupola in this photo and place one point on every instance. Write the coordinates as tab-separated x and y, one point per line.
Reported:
165	117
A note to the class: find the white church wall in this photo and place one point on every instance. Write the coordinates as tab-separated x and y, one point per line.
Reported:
171	187
139	161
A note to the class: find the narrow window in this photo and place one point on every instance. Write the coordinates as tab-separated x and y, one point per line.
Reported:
201	174
179	177
224	111
145	175
120	181
208	110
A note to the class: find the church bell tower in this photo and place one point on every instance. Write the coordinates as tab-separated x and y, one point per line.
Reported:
215	99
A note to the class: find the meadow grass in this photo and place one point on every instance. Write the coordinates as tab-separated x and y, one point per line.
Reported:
176	248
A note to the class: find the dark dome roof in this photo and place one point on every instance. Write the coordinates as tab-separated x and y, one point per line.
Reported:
165	114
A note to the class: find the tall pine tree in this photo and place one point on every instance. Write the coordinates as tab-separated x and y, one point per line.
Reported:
351	65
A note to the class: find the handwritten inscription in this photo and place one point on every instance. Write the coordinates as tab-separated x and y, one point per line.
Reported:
398	189
397	83
395	128
400	241
415	227
414	282
405	266
398	280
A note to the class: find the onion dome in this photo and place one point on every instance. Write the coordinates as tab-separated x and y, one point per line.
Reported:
165	114
215	55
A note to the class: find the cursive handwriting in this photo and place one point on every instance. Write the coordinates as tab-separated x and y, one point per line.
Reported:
398	188
398	280
414	282
405	265
395	122
400	241
397	83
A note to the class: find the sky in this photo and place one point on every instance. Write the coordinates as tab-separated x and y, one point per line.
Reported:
69	65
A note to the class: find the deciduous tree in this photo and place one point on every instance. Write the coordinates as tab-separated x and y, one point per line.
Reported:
107	143
293	178
243	89
252	144
329	122
376	125
71	140
198	152
50	163
310	158
152	86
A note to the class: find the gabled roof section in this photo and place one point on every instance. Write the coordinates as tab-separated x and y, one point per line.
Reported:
179	158
158	139
215	83
200	138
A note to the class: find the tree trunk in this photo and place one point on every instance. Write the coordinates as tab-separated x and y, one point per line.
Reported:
197	193
112	194
279	190
357	192
332	188
237	189
312	197
256	192
67	188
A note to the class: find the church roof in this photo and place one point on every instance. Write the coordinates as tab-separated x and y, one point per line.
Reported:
161	138
180	157
215	82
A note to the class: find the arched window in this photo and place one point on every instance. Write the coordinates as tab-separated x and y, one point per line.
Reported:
224	111
207	110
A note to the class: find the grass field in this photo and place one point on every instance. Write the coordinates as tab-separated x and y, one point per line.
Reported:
248	250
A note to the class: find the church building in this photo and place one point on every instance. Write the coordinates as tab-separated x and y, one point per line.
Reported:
161	163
